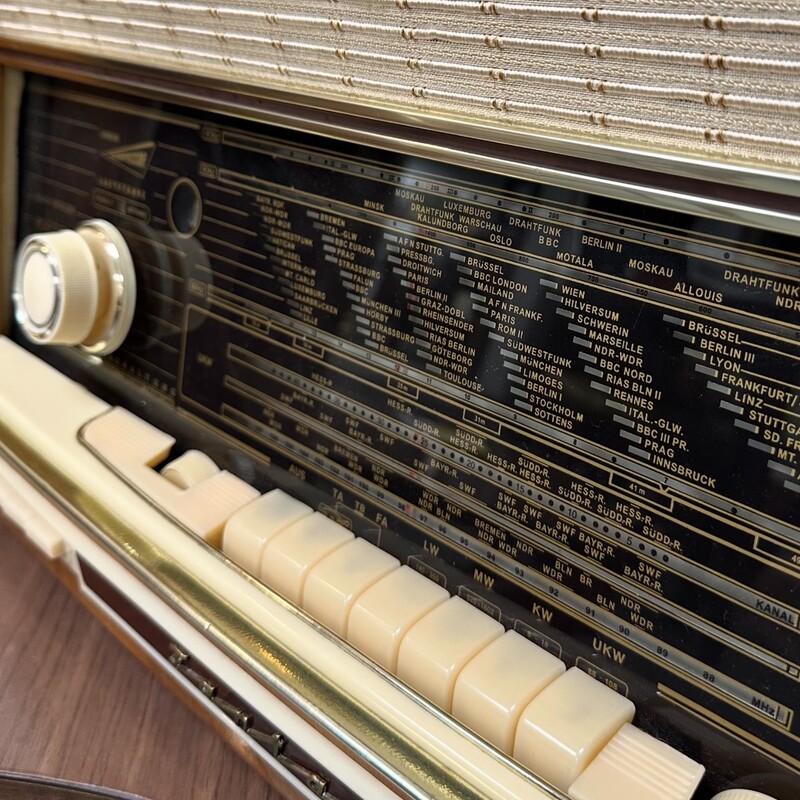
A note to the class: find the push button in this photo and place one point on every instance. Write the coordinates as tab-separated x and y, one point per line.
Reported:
741	794
382	616
335	582
248	531
436	649
635	766
494	688
567	725
289	557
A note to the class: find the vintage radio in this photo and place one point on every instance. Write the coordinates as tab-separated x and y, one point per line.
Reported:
417	382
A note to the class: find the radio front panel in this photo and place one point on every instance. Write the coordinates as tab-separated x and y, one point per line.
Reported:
580	414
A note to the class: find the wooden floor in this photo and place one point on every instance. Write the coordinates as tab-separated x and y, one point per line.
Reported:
75	704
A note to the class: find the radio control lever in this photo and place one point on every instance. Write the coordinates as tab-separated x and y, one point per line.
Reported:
188	470
75	287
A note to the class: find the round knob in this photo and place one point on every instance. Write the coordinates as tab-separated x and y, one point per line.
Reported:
75	287
55	288
742	794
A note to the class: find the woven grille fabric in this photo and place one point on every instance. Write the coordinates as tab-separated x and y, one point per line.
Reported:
720	79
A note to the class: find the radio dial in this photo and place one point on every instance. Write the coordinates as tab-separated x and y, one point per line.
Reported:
75	287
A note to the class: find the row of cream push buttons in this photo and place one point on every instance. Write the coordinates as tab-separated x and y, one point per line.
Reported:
511	692
563	725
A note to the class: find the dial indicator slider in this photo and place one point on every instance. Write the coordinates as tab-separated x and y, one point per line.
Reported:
133	447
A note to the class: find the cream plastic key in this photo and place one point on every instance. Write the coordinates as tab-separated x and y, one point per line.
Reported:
437	648
636	766
381	617
334	584
564	727
496	685
249	530
133	447
289	557
189	469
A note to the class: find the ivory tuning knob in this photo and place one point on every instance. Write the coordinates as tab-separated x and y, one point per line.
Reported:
75	287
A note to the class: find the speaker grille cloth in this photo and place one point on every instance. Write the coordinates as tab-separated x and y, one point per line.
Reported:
720	79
